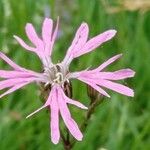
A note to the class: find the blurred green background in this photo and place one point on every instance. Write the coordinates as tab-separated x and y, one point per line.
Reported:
121	123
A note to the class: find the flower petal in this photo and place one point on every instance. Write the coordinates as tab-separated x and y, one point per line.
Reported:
16	67
55	133
47	30
55	31
116	87
32	35
94	71
14	74
10	62
41	46
24	45
108	62
47	103
95	42
47	34
94	86
14	88
117	75
38	50
54	37
36	111
77	43
64	111
12	82
74	102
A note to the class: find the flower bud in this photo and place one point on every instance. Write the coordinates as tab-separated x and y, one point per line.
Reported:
68	88
44	91
93	94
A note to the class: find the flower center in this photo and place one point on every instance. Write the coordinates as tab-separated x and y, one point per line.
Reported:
54	74
59	77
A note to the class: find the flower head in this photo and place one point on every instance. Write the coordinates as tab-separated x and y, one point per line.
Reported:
57	75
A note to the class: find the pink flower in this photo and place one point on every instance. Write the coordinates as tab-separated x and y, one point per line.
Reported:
58	74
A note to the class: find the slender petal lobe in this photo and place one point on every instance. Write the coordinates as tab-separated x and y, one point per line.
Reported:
96	41
32	35
55	134
10	62
47	34
73	102
108	62
117	75
94	86
47	30
70	123
14	74
116	87
79	40
55	32
24	45
14	88
47	103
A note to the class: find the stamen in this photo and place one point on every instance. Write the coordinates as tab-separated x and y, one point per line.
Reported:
59	77
54	74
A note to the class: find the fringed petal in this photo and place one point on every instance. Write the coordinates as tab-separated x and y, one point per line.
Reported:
55	31
12	82
14	88
122	89
112	86
94	86
32	35
117	75
77	43
49	52
95	42
70	123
